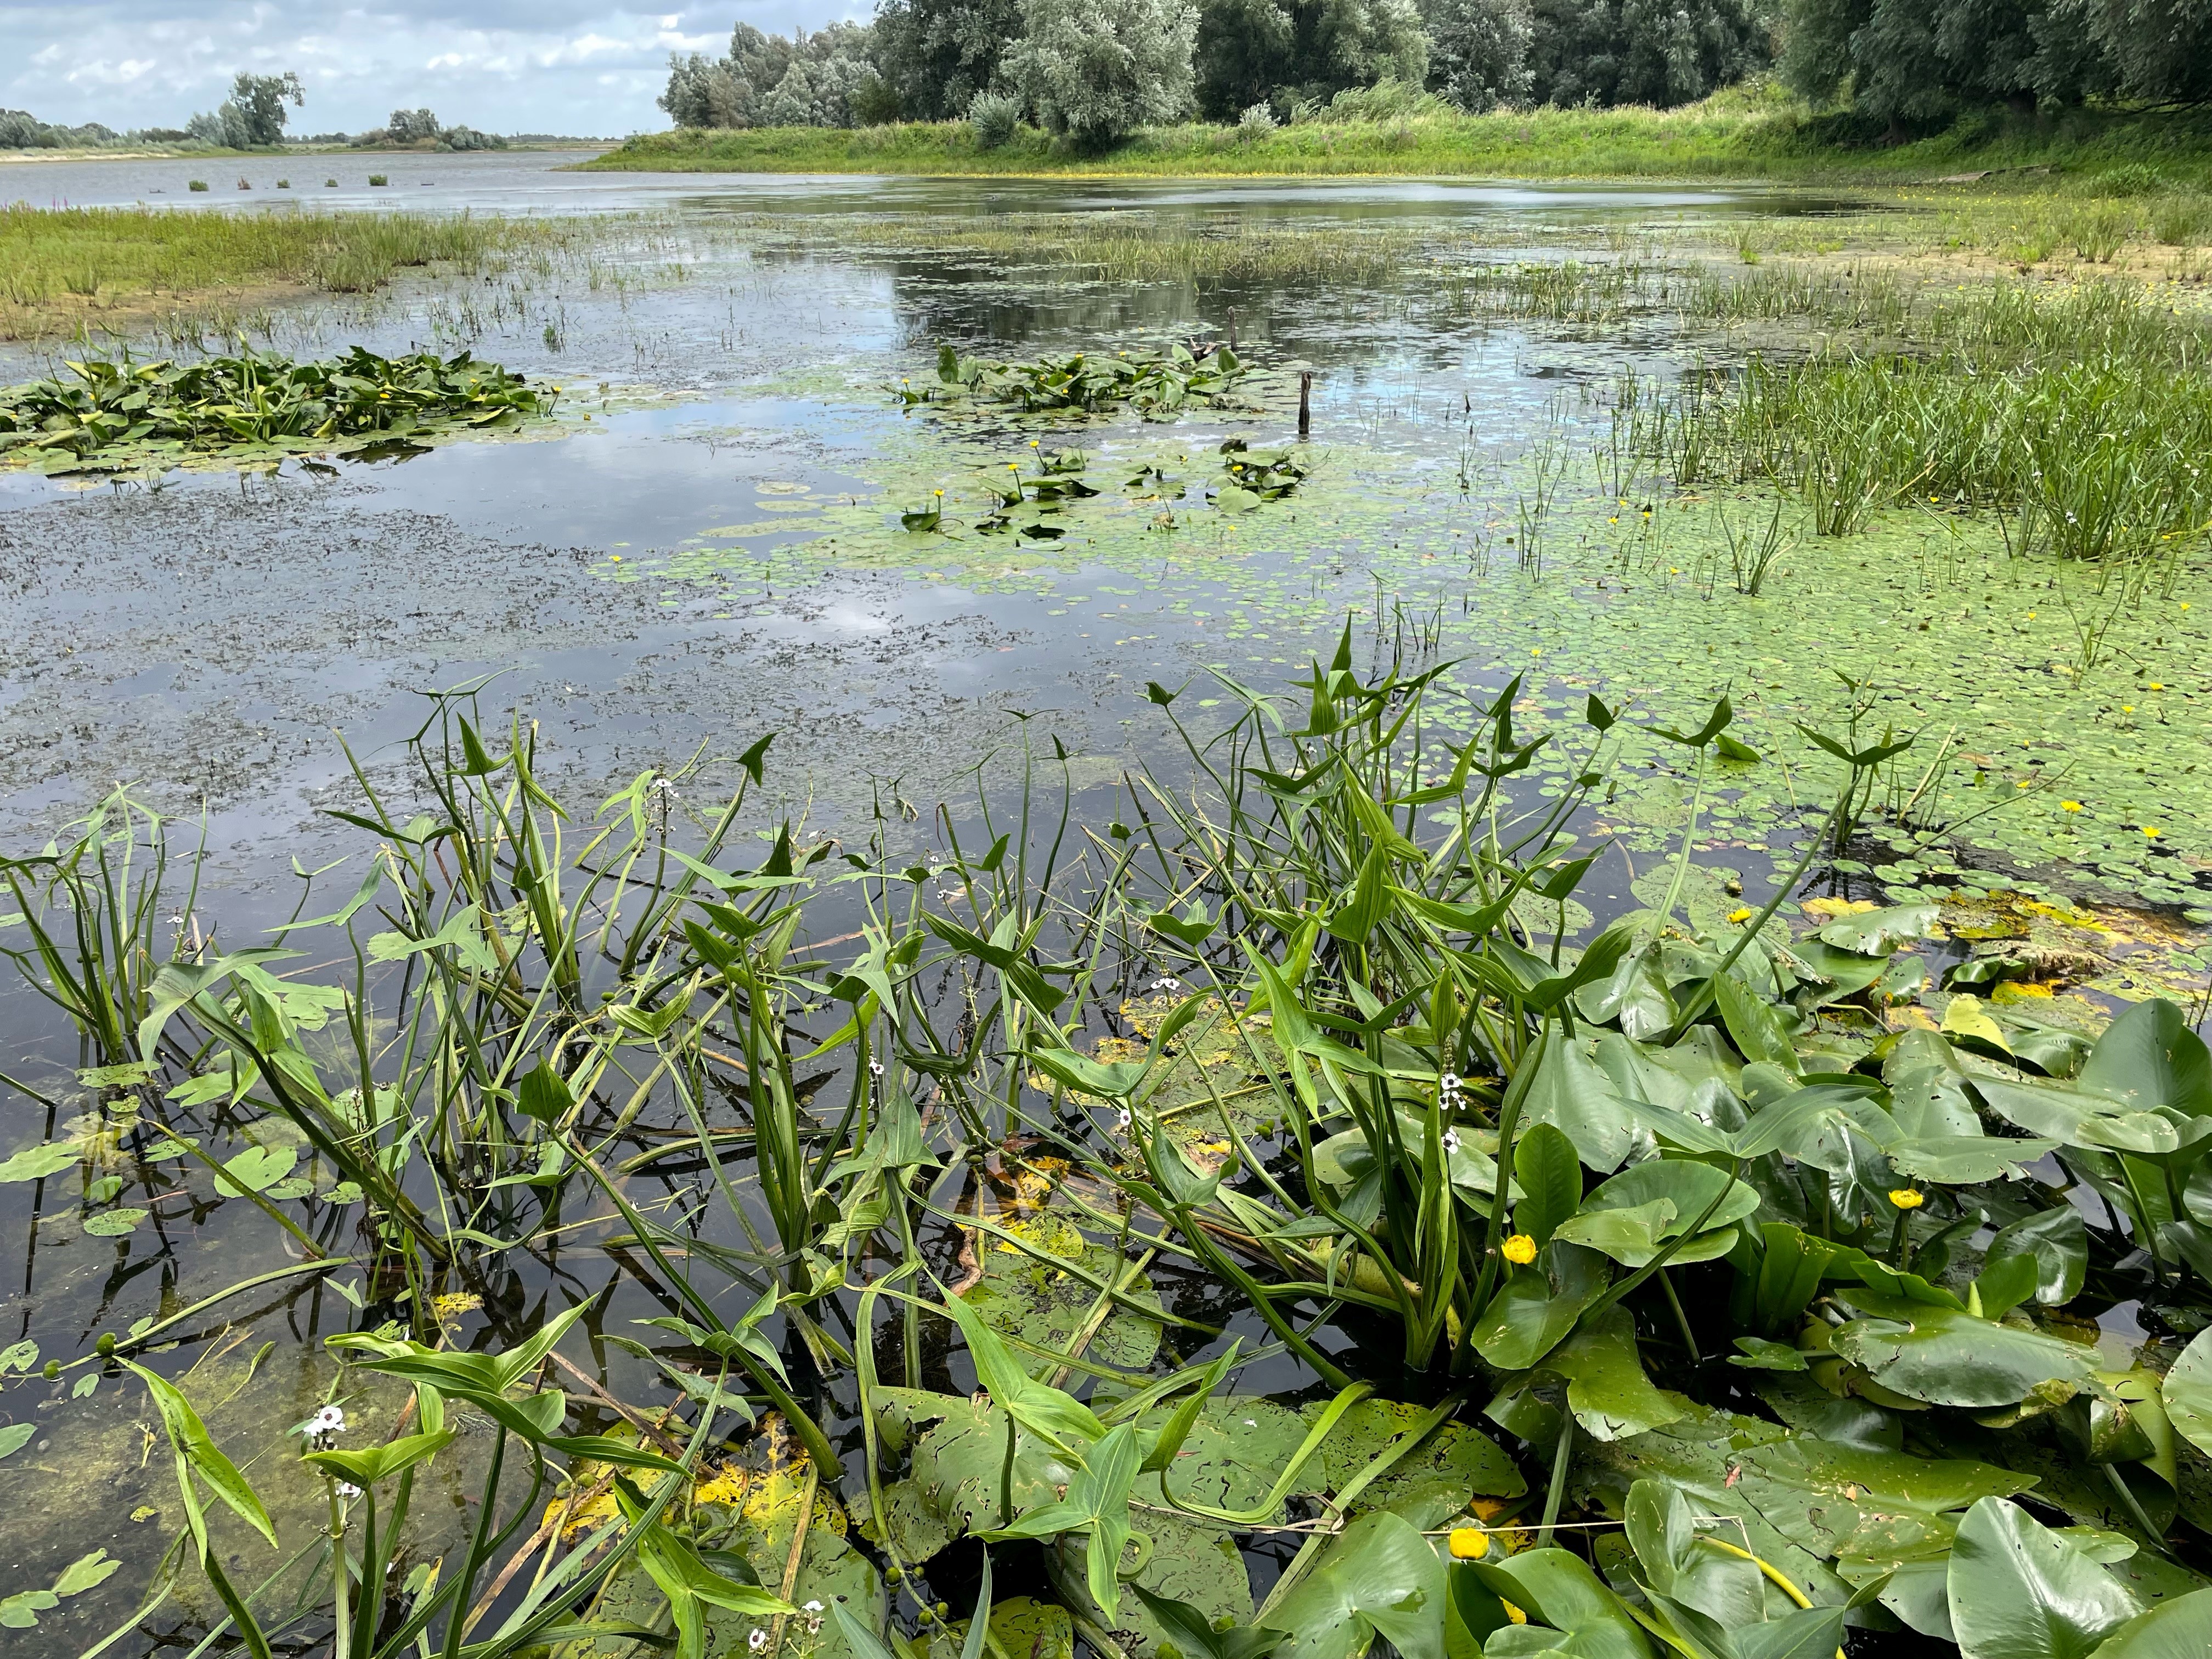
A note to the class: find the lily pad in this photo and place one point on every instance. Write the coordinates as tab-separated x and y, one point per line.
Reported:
1801	1501
1947	1357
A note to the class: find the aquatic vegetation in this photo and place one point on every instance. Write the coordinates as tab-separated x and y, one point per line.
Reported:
1157	385
111	413
148	259
1722	1277
1119	246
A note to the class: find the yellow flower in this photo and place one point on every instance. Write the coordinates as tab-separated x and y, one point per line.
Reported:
1470	1543
1512	1611
1905	1199
1535	650
1519	1248
2127	708
2157	685
2069	805
1741	913
2151	830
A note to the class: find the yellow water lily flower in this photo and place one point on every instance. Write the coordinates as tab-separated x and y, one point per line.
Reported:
1741	915
2069	805
1905	1199
1470	1543
1519	1248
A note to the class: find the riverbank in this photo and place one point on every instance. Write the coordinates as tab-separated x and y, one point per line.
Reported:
1739	134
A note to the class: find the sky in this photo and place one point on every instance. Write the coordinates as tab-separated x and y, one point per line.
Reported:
584	67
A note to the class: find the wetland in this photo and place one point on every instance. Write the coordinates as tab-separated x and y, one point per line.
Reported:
1168	916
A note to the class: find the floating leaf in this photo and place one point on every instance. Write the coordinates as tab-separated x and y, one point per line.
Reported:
114	1224
36	1163
256	1169
1949	1357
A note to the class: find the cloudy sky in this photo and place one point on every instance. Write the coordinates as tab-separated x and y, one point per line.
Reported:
566	66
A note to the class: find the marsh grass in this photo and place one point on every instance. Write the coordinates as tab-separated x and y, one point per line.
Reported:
137	258
1116	246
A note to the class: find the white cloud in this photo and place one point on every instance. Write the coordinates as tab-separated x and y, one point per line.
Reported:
587	66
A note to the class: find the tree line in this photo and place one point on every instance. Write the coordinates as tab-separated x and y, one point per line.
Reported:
1097	68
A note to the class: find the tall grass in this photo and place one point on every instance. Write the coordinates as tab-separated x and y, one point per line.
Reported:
1116	246
133	256
1749	131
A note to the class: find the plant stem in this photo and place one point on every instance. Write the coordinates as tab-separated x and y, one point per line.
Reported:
1562	1454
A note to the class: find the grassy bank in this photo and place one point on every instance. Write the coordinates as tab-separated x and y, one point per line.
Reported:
1742	133
62	268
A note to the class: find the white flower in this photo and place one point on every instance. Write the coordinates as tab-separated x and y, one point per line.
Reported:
811	1606
1166	985
1448	1083
1451	1140
329	1421
1121	1118
757	1640
347	1489
875	1068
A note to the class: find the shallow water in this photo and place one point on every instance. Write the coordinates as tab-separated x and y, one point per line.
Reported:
705	548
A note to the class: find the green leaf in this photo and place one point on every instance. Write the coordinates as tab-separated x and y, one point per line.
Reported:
1607	1389
2149	1057
1949	1357
16	1436
256	1169
1632	1216
200	1453
2187	1391
1550	1172
1572	1092
114	1224
544	1094
1761	1354
365	1467
2019	1591
1538	1304
1757	1029
1097	1502
2077	1118
86	1572
1557	1589
2179	1629
36	1163
1878	932
1194	1635
1380	1578
1801	1501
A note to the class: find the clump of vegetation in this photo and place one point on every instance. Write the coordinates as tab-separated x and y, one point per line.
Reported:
1157	384
995	115
1124	245
144	258
1684	1287
125	411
